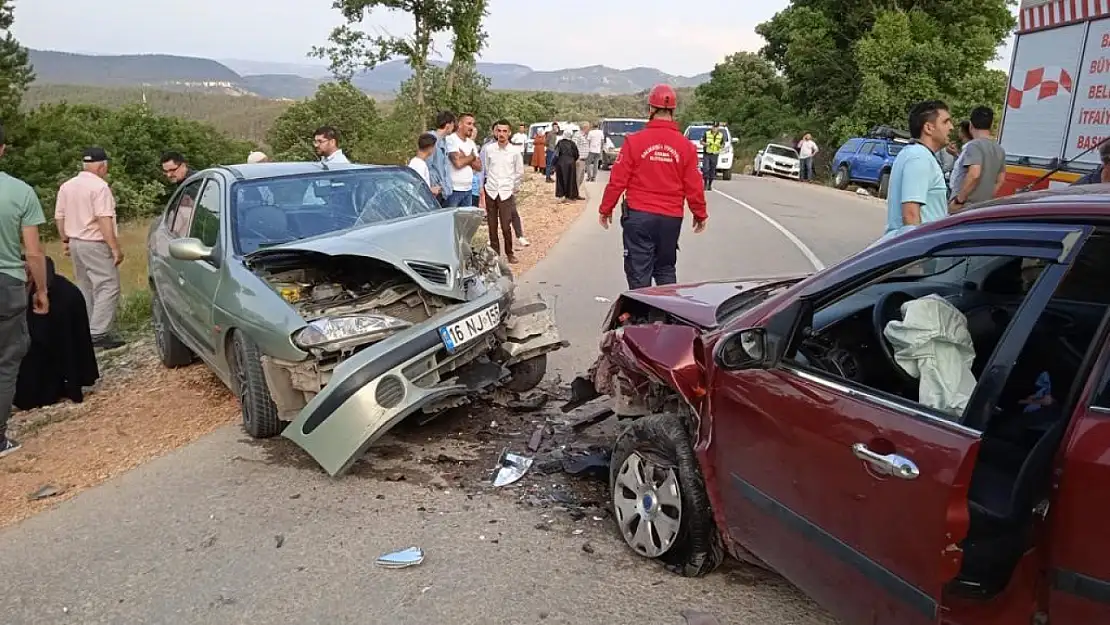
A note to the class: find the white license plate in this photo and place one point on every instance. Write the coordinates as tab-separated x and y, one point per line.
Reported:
469	328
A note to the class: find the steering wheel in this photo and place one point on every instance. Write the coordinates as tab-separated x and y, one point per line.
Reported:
887	308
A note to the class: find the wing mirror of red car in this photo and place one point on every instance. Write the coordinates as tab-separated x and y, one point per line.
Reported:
744	349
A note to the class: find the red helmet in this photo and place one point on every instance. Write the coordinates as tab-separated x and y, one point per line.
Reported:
663	97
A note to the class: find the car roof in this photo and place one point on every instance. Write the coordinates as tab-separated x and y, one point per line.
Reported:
1074	202
254	171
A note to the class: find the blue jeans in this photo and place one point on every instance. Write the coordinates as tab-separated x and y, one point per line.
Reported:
460	198
806	168
550	163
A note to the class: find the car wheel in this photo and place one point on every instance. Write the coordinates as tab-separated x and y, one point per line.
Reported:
260	416
884	185
726	175
659	499
842	178
171	351
527	374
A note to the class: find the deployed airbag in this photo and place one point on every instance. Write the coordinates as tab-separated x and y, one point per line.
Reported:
932	343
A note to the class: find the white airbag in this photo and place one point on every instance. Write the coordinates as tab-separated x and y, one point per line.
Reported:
932	343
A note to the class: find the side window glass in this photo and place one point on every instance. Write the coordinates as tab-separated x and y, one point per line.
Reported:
181	214
862	337
206	219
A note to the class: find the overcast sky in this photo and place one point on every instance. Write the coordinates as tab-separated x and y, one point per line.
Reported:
665	34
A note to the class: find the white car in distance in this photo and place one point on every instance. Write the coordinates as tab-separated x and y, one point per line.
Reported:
777	160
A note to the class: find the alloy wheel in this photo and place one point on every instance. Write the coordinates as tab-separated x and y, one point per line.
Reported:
158	321
648	505
241	386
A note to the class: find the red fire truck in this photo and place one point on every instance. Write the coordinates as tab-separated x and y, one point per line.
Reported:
1058	104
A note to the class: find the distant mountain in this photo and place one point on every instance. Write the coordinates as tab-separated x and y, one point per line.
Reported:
295	81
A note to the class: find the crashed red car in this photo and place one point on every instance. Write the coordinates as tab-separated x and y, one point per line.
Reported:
781	421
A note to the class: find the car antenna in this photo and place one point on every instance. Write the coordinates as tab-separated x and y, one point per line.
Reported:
1061	165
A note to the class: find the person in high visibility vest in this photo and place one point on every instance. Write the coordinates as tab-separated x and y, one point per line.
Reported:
713	140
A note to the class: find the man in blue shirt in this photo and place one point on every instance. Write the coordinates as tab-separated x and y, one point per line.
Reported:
917	193
438	174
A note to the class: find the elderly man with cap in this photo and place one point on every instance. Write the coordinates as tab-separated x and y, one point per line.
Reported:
85	215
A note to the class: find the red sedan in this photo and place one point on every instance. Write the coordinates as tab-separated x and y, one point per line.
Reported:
789	422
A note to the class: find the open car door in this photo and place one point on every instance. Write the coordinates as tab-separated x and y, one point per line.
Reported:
860	497
1080	542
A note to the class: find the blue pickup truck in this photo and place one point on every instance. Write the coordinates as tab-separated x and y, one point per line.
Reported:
866	161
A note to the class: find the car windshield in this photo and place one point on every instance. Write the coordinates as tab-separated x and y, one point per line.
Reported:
696	133
622	127
780	150
273	211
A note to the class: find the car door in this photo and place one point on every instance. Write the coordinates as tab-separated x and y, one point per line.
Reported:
164	269
199	280
1079	543
871	161
858	497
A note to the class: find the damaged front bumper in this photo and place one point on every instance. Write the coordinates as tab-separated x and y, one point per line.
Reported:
416	370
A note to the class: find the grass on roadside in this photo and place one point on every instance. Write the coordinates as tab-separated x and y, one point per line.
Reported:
133	316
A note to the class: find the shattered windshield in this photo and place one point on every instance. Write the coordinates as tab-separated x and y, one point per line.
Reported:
274	211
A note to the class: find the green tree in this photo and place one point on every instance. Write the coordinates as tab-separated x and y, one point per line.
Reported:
745	92
15	70
353	113
850	65
468	37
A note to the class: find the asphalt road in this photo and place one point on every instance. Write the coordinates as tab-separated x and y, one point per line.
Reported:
224	532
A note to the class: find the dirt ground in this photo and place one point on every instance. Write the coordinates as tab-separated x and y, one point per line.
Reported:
139	410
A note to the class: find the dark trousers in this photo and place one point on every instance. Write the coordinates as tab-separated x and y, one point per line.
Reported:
499	214
650	247
550	169
709	169
15	340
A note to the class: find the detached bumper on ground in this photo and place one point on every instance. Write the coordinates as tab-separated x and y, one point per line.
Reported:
428	367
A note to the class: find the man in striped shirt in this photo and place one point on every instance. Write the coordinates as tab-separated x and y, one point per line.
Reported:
582	141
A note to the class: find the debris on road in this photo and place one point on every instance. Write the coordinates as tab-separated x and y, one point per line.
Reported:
528	403
602	300
595	461
594	418
510	468
537	439
45	492
401	559
279	540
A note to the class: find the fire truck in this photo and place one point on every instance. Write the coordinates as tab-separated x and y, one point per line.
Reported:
1058	103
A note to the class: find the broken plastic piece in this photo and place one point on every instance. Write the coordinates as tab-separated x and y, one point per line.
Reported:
510	468
402	559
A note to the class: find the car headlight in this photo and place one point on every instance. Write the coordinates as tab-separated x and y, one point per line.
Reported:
328	330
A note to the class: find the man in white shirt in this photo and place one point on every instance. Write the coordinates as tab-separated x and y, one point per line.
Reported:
583	145
520	139
594	139
807	149
326	142
503	174
425	146
463	154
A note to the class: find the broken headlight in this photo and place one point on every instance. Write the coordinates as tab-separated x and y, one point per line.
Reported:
327	330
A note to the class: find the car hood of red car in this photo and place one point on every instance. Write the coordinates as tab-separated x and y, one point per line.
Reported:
698	303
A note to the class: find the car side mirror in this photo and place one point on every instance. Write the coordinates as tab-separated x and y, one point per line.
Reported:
190	249
736	139
745	349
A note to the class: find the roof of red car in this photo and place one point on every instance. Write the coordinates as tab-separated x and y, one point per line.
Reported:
1075	201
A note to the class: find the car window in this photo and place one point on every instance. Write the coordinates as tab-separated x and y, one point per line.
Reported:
892	149
180	214
206	218
275	211
844	340
778	150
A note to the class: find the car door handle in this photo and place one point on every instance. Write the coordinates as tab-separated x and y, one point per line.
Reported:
889	464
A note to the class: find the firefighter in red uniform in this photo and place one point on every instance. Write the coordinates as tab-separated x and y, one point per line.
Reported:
658	172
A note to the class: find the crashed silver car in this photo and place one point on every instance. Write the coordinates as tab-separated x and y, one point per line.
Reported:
336	300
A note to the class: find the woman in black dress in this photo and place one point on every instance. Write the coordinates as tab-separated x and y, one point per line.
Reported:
566	178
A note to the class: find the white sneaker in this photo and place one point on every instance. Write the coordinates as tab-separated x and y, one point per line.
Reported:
523	241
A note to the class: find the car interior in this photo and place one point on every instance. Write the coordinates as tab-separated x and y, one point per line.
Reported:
1012	477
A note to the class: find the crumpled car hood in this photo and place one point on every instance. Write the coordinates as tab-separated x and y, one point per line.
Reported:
698	302
440	238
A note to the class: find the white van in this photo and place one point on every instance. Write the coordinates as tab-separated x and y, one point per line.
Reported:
543	128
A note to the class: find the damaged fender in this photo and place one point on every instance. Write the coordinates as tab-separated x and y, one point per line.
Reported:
530	330
635	357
